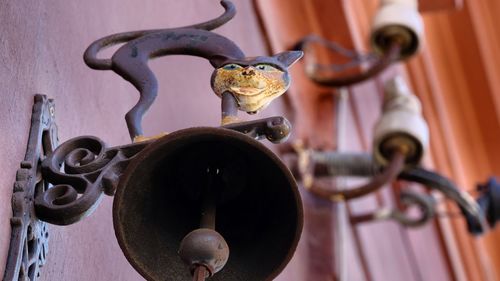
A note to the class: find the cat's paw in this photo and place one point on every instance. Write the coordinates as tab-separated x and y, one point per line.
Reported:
230	120
141	138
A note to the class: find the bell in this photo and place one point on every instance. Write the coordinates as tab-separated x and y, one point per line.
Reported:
228	199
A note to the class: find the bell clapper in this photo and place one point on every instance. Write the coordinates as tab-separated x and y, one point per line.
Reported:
204	249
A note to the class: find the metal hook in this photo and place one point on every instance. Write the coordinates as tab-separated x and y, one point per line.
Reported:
380	64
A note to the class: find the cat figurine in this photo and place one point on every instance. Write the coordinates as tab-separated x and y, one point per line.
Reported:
244	83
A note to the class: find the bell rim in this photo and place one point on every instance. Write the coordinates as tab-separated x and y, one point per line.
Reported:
193	131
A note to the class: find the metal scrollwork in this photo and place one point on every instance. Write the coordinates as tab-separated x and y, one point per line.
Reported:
89	170
80	170
30	236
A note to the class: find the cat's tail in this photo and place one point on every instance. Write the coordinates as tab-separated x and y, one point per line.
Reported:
90	55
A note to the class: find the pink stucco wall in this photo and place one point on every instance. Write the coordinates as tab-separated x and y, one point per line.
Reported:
41	47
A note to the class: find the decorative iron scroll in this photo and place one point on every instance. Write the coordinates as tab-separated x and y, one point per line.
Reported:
89	170
29	236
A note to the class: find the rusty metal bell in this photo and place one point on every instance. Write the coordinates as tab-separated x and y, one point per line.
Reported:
160	196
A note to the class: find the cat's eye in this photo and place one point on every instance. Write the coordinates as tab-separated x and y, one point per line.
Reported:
231	66
266	67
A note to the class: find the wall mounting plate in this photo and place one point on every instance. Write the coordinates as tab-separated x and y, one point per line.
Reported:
30	236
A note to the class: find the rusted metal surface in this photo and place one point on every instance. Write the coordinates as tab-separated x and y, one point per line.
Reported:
257	204
29	236
205	248
90	170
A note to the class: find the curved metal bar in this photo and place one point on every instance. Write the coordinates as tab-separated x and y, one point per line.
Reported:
275	129
90	169
437	182
389	174
425	203
335	47
381	64
90	55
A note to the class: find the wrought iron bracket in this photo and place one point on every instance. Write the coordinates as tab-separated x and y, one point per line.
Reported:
90	169
29	235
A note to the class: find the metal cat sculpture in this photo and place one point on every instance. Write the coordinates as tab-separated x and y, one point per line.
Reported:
245	83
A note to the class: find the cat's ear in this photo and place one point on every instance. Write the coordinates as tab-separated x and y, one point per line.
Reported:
289	57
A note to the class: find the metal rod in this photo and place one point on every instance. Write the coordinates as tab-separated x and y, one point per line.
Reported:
200	273
208	207
335	163
389	174
362	218
229	108
208	213
340	207
386	60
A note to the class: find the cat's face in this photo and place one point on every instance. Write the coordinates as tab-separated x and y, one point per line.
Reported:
255	82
